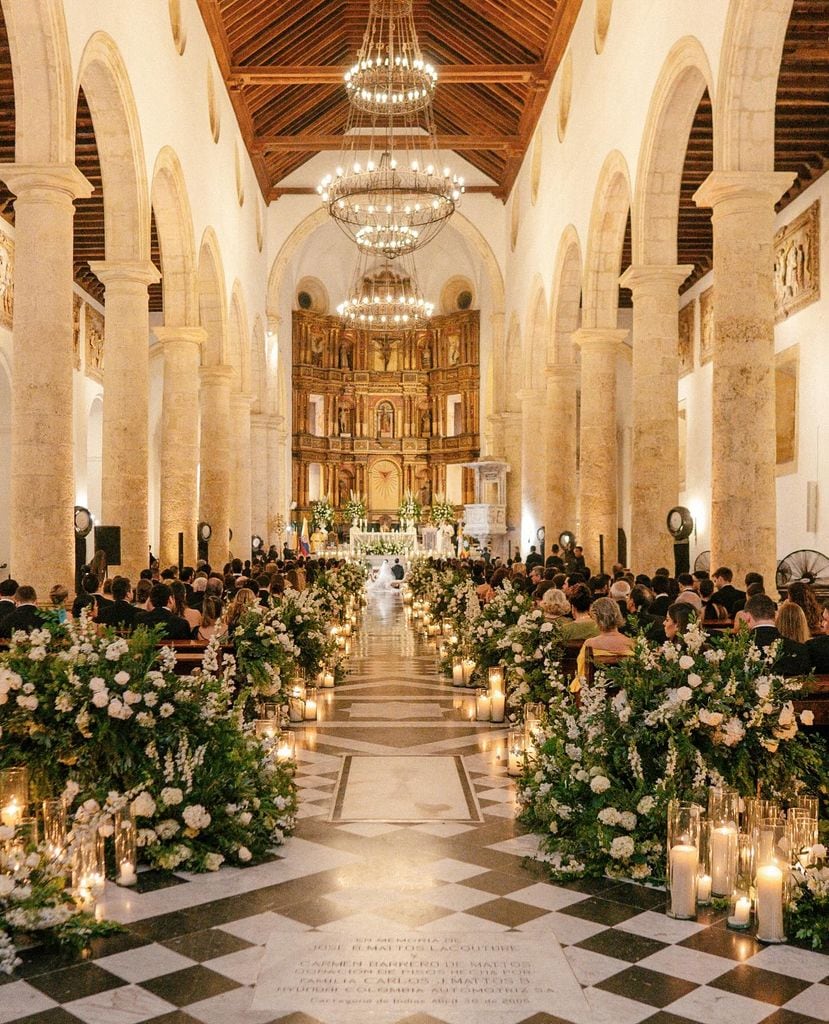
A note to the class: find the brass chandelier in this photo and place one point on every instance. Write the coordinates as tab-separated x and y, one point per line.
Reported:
390	192
385	298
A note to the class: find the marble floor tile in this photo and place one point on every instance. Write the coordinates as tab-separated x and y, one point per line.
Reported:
19	999
147	962
127	1005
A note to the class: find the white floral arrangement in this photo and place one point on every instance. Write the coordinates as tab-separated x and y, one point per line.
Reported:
322	515
410	508
354	509
443	511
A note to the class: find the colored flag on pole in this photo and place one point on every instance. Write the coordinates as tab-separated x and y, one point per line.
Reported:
305	540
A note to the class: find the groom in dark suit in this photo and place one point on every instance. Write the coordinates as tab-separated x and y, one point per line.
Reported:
397	570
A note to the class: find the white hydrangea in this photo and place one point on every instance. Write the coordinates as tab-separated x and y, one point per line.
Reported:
196	816
171	795
608	816
600	783
213	861
622	848
143	806
627	819
646	805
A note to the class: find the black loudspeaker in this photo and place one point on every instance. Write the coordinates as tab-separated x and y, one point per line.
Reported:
682	557
108	540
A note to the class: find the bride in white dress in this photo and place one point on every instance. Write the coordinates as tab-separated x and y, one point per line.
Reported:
384	580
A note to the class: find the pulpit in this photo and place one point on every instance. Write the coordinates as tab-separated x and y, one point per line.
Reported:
486	518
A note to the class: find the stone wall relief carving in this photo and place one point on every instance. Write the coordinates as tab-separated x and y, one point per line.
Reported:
797	263
706	326
6	280
94	329
685	338
77	310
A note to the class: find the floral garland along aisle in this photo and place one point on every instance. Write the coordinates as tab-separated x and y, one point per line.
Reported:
109	757
600	765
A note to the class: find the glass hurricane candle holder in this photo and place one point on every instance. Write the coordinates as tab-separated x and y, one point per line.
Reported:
126	859
88	868
495	678
740	901
54	827
269	709
723	816
296	705
533	723
14	795
265	728
469	667
483	710
286	747
683	859
515	753
497	705
457	672
756	808
704	870
802	832
772	855
310	711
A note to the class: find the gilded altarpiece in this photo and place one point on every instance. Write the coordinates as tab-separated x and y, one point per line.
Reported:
382	414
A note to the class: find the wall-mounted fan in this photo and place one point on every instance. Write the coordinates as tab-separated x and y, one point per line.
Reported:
806	566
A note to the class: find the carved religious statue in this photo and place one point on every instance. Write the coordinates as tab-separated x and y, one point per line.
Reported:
344	353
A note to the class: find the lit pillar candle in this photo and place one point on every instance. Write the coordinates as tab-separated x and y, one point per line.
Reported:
684	863
296	709
457	672
328	680
704	889
468	669
770	904
482	707
310	711
12	814
723	859
497	702
126	873
742	913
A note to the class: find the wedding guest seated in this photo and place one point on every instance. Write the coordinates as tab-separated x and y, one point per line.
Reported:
687	594
727	595
8	588
141	595
87	596
25	616
661	598
677	620
120	613
640	604
792	626
818	646
620	592
713	612
555	606
211	611
793	657
607	616
583	625
161	614
58	595
192	615
244	600
196	598
802	594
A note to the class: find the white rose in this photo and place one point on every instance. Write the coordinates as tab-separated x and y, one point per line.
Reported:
786	714
245	818
599	783
694	680
686	662
6	885
6	833
100	698
807	717
770	745
122	678
712	718
96	683
684	694
818	852
131	697
213	861
244	854
143	806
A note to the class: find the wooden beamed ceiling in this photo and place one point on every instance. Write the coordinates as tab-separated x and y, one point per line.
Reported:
283	63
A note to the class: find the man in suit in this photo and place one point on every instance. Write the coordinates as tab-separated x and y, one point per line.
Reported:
119	612
25	615
397	570
728	596
640	604
533	558
792	658
661	596
818	646
161	614
8	588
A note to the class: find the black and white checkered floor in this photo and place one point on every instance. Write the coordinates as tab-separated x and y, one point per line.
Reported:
194	944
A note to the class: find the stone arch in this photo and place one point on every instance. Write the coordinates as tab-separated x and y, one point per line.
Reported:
43	86
604	243
565	304
212	301
239	340
536	337
311	288
744	111
684	77
173	218
106	85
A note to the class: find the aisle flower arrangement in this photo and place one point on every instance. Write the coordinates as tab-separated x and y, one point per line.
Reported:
336	588
809	900
487	633
303	619
666	723
354	509
443	511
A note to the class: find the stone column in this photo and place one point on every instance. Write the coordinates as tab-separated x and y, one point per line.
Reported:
508	445
561	426
655	447
241	470
181	349
42	491
125	470
489	383
259	474
743	456
278	499
598	476
533	476
215	463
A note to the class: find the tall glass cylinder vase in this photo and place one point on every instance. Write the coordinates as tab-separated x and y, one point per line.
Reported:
125	848
683	859
14	795
772	858
723	818
54	827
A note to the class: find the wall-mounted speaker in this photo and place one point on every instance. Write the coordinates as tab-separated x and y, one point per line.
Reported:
108	540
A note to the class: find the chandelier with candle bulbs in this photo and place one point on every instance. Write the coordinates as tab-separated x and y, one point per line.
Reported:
385	298
390	192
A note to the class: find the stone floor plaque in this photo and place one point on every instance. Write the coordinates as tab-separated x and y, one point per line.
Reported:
457	978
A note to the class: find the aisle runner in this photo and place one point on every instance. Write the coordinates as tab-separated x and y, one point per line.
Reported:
458	978
404	789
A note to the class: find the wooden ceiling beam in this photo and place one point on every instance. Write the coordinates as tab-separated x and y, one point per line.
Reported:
306	190
324	74
319	143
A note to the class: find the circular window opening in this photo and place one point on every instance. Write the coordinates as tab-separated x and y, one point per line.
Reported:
464	299
305	301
